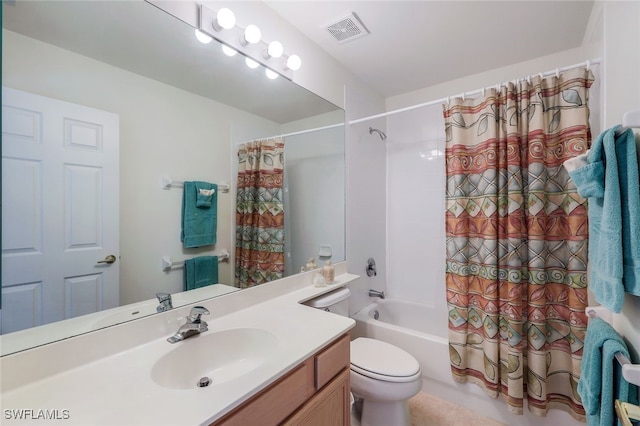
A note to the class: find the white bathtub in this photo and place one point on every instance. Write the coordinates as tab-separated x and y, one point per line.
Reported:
408	326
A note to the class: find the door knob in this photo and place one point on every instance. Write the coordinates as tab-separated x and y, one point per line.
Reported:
109	259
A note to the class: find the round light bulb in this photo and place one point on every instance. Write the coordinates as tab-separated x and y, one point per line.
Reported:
252	34
202	37
294	62
226	19
251	63
272	75
275	49
228	51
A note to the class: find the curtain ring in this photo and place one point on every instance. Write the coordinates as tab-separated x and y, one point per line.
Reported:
483	92
462	96
588	65
557	72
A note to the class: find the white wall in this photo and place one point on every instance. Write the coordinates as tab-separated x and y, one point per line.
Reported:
163	130
622	94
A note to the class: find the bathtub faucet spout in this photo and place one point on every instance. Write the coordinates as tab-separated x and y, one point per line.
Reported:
376	293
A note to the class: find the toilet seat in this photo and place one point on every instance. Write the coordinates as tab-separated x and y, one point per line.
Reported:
382	361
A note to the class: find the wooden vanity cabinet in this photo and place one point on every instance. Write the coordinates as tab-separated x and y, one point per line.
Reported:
315	393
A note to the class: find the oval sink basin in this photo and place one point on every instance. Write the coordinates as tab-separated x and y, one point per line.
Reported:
221	356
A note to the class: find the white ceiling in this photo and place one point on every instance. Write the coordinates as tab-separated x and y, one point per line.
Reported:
416	44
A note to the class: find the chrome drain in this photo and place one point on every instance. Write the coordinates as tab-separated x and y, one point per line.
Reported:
204	382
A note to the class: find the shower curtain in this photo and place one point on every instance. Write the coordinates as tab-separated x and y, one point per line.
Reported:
516	241
260	213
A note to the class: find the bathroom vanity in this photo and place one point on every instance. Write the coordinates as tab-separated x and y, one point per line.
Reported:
270	360
316	392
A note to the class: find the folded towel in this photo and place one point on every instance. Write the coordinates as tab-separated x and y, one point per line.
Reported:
199	214
200	272
601	381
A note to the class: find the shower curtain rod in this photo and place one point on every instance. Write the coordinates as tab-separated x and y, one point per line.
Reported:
301	132
586	63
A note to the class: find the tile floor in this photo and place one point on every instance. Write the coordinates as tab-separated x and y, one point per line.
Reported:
428	410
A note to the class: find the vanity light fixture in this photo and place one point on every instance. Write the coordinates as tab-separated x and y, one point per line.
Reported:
202	37
252	34
271	75
228	51
225	20
275	50
294	62
251	63
247	41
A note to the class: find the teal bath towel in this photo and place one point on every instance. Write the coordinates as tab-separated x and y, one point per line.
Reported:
601	381
200	272
199	214
626	153
609	181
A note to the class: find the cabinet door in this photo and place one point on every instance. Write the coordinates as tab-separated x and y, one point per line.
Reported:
274	404
329	407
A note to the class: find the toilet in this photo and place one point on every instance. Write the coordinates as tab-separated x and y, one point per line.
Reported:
383	376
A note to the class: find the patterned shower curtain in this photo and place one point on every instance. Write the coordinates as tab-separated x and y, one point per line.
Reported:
260	213
516	233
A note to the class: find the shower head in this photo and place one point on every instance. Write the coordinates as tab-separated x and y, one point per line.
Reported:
379	132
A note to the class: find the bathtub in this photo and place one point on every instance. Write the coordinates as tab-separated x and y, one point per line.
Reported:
406	325
411	326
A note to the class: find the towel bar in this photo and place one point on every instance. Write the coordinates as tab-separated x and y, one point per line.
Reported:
630	120
168	264
167	182
631	372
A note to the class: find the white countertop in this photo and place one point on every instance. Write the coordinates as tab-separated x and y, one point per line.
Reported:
119	390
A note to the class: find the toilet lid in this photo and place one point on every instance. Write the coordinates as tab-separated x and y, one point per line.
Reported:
383	361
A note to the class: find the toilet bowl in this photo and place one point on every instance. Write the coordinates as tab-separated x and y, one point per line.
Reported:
383	377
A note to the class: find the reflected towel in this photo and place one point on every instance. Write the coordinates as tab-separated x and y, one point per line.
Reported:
199	214
200	272
601	381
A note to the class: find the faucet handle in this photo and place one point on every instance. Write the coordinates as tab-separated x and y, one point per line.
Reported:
162	297
196	313
165	302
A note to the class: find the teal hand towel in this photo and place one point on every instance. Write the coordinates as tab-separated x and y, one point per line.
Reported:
199	214
630	208
601	381
200	272
599	182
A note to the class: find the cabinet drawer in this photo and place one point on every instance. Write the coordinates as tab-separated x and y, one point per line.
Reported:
275	403
331	361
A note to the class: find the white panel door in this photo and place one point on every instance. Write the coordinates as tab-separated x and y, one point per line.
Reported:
59	210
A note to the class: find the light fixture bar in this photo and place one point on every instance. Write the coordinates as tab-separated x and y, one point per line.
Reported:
233	38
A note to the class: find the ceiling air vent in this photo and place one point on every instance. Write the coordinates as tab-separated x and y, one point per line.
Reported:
348	28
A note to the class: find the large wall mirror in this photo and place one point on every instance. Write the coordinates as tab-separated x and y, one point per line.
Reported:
132	83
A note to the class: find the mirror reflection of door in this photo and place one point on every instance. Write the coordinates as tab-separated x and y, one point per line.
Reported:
60	216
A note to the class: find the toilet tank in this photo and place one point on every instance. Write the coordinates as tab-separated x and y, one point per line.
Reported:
336	301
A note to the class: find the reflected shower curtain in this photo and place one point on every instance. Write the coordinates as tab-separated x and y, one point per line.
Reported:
516	233
260	213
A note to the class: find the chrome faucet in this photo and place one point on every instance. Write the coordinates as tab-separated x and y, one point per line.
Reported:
165	302
376	293
193	326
